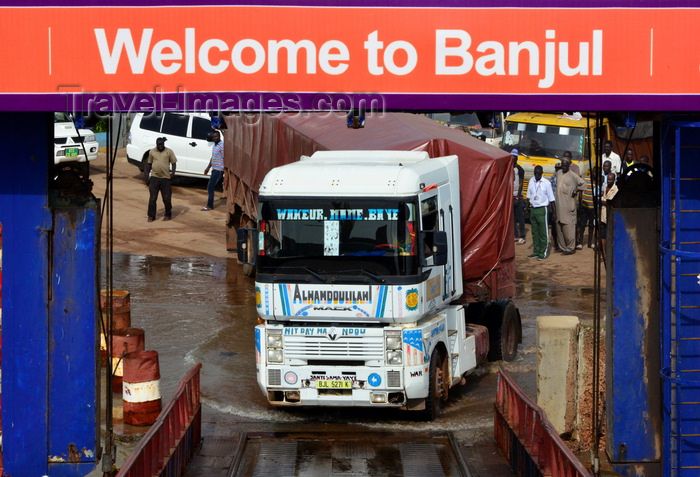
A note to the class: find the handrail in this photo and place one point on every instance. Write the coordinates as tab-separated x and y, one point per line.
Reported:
665	248
168	445
527	438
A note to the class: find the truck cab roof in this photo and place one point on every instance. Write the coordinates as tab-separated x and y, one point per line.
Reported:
373	173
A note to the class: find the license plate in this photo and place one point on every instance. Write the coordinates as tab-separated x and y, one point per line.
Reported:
72	151
334	384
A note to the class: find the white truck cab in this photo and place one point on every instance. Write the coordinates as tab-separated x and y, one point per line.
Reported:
357	267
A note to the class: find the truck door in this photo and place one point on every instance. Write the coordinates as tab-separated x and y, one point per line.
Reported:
437	215
200	127
430	222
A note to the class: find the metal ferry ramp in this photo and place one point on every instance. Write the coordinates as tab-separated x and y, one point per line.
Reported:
291	454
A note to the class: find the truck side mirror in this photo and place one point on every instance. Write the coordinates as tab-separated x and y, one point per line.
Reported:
242	244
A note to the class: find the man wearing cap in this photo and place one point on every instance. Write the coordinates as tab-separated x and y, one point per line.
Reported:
518	201
159	170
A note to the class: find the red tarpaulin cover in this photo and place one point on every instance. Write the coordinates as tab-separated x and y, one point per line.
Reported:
256	143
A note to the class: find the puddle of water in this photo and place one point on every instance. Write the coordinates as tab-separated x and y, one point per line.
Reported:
202	310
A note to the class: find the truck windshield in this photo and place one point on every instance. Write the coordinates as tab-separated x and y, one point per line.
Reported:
541	140
345	239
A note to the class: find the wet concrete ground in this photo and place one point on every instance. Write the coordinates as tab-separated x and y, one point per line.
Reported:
201	310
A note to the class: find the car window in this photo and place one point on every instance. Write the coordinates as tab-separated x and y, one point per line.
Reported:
200	128
151	122
61	118
175	124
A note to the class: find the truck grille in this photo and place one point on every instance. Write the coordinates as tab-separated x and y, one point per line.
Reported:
274	377
393	379
365	348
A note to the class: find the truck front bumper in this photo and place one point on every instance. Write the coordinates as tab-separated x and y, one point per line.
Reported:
339	386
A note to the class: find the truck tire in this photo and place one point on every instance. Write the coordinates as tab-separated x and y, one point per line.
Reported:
438	389
504	331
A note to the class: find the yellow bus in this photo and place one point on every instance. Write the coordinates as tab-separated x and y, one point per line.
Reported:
542	138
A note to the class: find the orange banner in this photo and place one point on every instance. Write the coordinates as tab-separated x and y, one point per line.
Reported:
385	50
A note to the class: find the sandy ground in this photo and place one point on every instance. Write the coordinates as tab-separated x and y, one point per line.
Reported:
191	232
572	271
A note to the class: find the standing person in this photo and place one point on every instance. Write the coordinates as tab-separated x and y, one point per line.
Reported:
553	218
573	167
518	201
607	169
216	164
160	170
541	197
608	195
609	155
629	161
568	185
586	209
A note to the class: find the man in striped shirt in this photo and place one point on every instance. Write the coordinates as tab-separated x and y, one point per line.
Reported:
586	209
216	164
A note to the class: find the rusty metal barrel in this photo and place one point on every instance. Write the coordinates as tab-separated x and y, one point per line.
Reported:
121	314
141	398
124	340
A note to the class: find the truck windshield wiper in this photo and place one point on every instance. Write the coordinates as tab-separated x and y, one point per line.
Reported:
317	275
364	272
372	275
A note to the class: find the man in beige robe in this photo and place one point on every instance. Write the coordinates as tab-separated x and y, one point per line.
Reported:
569	184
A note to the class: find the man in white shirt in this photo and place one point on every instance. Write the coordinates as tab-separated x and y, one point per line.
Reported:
541	197
609	155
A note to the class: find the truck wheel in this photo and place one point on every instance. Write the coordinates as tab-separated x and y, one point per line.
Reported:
437	387
503	331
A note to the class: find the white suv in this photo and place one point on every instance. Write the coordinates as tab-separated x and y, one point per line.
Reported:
187	134
71	144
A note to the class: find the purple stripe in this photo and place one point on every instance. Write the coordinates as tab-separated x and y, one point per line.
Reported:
383	3
416	102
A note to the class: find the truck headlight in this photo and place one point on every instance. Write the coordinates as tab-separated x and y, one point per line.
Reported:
392	339
393	342
274	355
394	357
274	346
274	341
